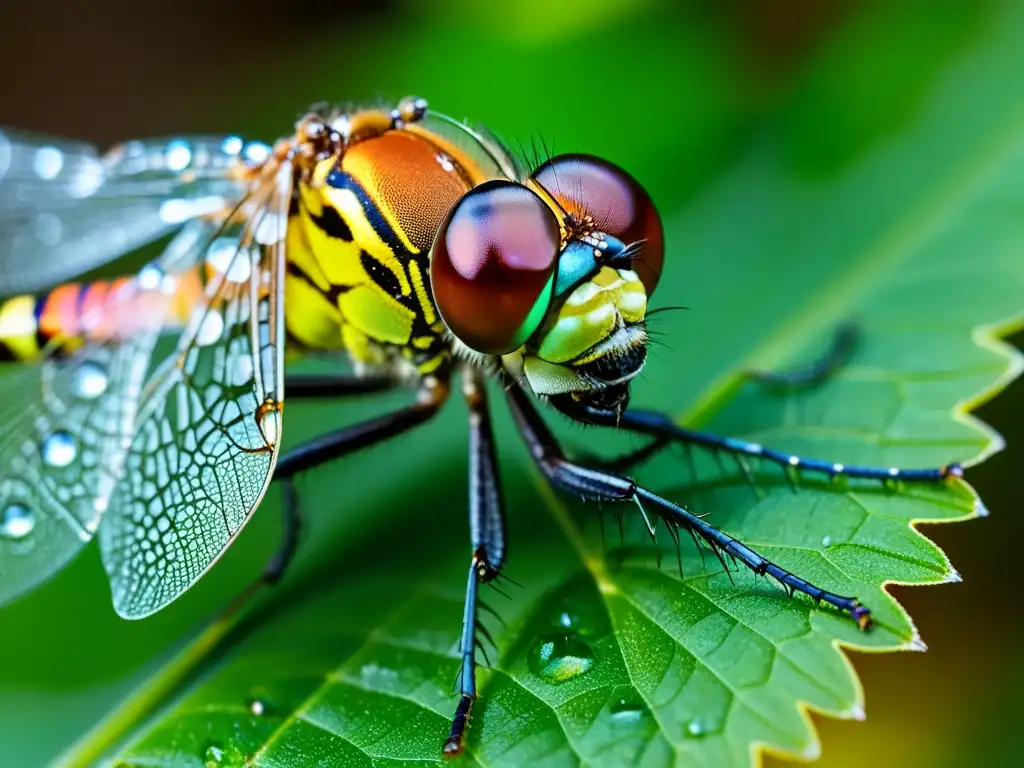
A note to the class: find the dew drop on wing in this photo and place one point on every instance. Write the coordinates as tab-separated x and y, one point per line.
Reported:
231	146
178	155
89	381
211	328
59	449
16	521
48	163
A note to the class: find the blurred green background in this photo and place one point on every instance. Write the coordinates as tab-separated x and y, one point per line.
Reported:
670	90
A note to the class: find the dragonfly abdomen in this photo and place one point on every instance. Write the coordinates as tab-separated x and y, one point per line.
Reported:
102	310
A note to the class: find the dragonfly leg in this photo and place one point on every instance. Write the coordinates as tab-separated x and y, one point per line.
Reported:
312	386
661	427
431	395
599	485
843	345
291	527
315	386
487	535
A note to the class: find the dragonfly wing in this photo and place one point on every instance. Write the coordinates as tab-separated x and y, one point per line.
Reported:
66	209
68	422
209	426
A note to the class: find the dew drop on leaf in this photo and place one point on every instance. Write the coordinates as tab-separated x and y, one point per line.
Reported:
695	728
260	703
558	658
627	712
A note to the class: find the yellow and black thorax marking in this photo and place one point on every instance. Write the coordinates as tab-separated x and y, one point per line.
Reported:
359	243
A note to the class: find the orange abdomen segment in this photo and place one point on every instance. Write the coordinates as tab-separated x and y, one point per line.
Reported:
104	310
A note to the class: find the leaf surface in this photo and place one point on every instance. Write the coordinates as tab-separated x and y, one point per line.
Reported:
607	658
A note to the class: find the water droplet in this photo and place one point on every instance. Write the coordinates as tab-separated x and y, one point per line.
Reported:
565	619
627	712
213	756
16	521
59	449
695	728
826	541
271	228
232	145
211	328
227	257
241	370
87	178
149	277
48	163
178	155
89	381
559	658
260	703
256	153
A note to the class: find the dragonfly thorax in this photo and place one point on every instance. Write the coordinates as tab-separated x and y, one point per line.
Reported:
359	242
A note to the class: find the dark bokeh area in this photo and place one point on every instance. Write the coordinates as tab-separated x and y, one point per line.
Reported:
110	70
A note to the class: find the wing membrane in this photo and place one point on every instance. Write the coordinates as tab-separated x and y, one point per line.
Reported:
209	426
68	422
66	209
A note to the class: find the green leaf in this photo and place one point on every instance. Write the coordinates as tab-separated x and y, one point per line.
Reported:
606	658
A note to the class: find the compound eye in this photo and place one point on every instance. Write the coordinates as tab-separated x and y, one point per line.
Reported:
587	186
491	266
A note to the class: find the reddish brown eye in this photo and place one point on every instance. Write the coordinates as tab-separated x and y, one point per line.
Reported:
588	186
491	266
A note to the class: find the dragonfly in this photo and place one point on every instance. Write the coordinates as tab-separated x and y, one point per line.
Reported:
417	247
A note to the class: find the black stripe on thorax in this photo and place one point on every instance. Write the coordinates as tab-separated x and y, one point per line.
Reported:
333	293
332	224
341	180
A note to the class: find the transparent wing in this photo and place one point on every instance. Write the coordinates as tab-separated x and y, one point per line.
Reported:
65	209
485	150
209	426
67	423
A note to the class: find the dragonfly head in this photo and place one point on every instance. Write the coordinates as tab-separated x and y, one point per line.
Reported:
553	276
